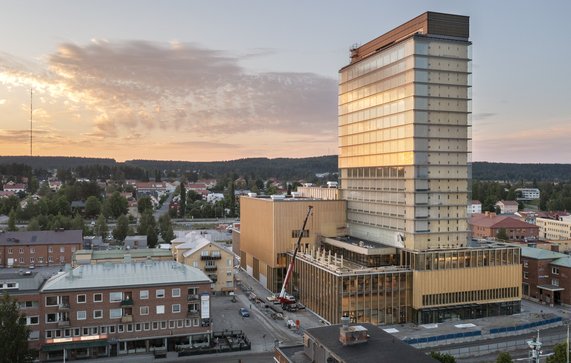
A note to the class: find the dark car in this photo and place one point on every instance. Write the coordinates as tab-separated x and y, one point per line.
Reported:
244	312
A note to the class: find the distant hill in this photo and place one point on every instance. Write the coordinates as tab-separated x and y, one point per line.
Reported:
282	168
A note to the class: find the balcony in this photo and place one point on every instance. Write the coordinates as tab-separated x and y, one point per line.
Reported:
63	323
63	306
209	258
193	314
127	319
193	297
127	302
210	268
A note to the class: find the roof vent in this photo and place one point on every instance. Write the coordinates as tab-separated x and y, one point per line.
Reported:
351	335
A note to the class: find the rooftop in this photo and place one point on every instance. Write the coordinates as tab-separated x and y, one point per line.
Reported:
492	220
109	275
41	237
541	254
381	346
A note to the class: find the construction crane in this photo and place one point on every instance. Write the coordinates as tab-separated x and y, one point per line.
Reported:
283	298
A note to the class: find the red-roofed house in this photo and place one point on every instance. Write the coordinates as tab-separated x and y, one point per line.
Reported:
199	188
507	206
489	224
14	187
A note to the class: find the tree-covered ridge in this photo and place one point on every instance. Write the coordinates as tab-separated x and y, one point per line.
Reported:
517	172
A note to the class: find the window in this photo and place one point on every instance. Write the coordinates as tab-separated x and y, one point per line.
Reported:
51	301
81	315
32	250
9	251
33	320
176	292
129	327
111	329
204	253
115	313
160	309
555	270
525	275
163	324
98	297
73	249
296	232
97	314
76	332
147	326
81	299
555	282
144	294
115	296
155	325
32	260
144	310
50	249
21	250
121	328
160	293
50	259
176	308
103	329
138	327
62	249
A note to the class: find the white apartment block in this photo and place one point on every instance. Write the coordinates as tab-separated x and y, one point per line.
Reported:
553	229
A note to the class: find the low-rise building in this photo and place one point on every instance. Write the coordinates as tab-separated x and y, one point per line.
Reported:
546	276
214	260
488	225
554	229
527	193
113	309
364	343
39	248
507	206
135	242
475	207
90	257
14	187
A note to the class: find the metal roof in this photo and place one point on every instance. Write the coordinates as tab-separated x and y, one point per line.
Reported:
41	237
540	254
109	275
563	261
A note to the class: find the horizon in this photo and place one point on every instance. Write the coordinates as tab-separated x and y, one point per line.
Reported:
202	84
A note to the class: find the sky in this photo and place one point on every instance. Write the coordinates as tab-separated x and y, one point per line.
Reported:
223	80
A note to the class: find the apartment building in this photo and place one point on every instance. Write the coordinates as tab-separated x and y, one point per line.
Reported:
528	193
24	286
507	206
214	260
39	248
475	207
554	229
112	309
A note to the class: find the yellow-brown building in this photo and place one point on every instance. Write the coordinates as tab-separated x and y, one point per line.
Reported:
269	228
92	257
210	257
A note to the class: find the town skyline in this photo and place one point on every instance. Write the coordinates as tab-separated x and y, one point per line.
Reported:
223	81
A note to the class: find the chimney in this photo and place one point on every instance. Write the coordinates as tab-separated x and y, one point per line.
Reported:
351	335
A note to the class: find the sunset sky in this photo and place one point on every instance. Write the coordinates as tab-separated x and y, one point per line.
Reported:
222	80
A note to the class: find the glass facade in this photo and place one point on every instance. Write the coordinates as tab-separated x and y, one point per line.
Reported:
404	153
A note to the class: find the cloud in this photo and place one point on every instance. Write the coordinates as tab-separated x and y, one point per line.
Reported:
144	86
483	116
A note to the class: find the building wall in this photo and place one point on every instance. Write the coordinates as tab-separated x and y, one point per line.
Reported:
319	193
52	254
553	229
216	263
514	234
403	143
268	230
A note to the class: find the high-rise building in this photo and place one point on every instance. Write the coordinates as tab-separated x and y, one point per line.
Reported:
404	134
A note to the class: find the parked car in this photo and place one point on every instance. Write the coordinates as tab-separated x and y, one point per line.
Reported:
244	312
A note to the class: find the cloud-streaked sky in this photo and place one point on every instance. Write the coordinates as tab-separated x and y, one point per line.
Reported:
221	80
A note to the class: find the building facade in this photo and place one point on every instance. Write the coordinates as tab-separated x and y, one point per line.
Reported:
269	228
528	193
507	206
404	132
554	229
475	207
546	276
489	225
114	309
39	248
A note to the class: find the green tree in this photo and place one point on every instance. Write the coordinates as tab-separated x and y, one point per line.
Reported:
12	221
443	357
13	333
502	234
115	205
144	203
165	228
77	223
148	226
101	228
33	185
63	206
504	357
92	207
559	355
121	228
34	225
182	204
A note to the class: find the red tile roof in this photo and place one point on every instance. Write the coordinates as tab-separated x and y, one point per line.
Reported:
495	221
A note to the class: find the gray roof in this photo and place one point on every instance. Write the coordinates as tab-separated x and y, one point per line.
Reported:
109	275
28	282
540	254
563	261
380	347
41	237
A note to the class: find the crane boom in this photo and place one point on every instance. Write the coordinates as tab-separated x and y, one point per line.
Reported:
282	296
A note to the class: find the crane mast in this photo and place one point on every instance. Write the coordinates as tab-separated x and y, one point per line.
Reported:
282	296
